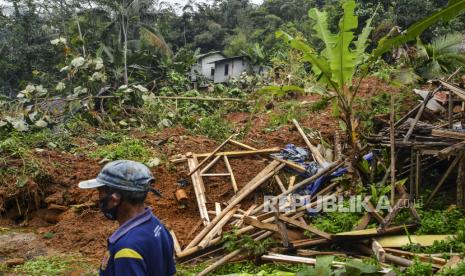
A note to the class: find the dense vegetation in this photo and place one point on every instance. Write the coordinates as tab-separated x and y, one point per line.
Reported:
94	70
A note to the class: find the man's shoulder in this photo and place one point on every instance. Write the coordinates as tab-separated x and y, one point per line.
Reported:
143	235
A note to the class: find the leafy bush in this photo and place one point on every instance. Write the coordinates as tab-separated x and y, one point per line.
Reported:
440	222
131	149
418	268
214	127
459	270
336	222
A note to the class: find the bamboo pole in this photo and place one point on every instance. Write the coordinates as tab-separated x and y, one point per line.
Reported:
233	179
238	199
230	256
393	149
210	156
218	227
315	152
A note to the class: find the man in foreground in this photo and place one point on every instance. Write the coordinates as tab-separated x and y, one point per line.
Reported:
141	245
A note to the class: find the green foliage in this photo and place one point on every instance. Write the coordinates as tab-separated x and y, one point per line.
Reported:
336	222
459	270
128	148
442	56
454	8
351	267
286	112
55	265
214	127
252	247
418	268
440	222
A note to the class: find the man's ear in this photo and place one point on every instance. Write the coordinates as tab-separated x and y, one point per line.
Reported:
116	199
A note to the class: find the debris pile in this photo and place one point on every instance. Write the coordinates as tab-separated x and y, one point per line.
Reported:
307	181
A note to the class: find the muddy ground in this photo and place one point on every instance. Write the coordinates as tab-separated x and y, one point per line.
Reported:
80	228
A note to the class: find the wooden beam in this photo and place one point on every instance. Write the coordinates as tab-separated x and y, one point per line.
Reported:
230	154
210	155
210	165
215	175
177	247
217	228
444	177
461	184
280	183
240	196
262	225
233	179
229	256
309	228
452	150
378	250
199	190
447	134
290	164
315	152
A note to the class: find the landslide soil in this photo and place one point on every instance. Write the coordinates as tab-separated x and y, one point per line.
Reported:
81	227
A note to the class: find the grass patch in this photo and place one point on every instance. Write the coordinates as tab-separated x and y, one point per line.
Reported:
244	268
214	127
128	149
54	265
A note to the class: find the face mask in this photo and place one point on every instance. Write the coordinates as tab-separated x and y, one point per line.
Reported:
109	213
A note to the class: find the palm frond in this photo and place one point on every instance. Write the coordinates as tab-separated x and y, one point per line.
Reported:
149	36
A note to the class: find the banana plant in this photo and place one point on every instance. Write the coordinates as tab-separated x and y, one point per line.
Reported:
345	54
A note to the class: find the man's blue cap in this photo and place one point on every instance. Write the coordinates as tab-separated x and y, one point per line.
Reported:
123	175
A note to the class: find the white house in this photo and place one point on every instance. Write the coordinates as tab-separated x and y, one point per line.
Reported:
205	66
229	68
216	67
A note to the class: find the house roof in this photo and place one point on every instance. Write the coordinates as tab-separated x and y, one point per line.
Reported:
230	58
201	56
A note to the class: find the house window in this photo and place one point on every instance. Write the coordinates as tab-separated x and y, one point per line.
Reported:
212	72
226	69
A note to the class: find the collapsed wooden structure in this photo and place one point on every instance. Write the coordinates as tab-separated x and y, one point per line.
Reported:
425	143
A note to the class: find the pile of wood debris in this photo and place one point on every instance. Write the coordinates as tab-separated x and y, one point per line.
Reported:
414	145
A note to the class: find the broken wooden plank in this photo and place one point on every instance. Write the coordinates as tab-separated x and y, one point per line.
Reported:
215	175
291	164
231	154
452	150
447	134
329	169
280	183
378	250
177	246
461	184
371	232
423	258
192	171
239	222
199	190
444	177
210	165
233	179
229	256
218	226
453	88
242	145
240	196
309	228
315	152
273	165
295	259
363	222
400	241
